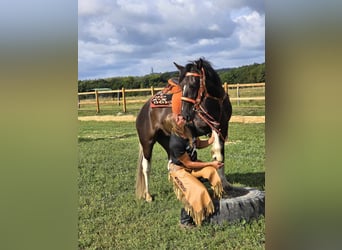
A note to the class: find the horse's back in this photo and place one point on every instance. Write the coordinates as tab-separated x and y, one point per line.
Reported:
143	115
151	120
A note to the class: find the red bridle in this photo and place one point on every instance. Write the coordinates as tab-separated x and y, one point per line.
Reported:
201	89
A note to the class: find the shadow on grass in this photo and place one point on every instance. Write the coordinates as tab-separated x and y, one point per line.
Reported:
92	139
89	139
248	179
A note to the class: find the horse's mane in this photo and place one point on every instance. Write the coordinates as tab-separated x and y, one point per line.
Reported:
210	72
212	78
197	65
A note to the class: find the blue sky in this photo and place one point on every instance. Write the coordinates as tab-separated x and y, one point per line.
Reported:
128	37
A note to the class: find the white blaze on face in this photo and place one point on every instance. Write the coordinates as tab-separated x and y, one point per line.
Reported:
216	148
184	88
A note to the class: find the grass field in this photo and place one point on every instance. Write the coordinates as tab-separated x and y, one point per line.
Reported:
110	217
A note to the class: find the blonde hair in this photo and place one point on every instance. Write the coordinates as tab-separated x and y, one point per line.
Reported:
171	125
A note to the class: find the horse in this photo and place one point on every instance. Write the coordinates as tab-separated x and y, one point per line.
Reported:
207	109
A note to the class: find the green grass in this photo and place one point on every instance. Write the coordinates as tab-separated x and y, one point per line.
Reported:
110	217
253	108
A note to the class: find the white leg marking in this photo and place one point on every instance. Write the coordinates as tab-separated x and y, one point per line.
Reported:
146	170
216	148
216	154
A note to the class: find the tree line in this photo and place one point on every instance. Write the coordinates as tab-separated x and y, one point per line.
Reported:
245	74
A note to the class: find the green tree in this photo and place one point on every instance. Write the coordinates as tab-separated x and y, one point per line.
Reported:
244	74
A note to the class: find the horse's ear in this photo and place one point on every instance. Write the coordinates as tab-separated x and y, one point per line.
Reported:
200	63
179	67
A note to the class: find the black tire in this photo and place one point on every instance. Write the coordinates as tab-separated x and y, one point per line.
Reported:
241	204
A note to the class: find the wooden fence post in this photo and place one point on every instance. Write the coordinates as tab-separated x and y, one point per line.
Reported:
237	94
123	100
97	101
119	97
152	90
226	87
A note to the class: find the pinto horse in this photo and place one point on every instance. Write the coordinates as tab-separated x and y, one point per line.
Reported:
205	105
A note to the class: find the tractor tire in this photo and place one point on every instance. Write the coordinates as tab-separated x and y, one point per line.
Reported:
242	204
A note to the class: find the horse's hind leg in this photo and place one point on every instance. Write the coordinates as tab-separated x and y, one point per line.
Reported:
164	141
143	171
146	166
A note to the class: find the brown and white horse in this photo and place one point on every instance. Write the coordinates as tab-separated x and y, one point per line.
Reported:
207	109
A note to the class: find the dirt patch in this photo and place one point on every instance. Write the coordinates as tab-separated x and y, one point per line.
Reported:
108	118
248	119
129	118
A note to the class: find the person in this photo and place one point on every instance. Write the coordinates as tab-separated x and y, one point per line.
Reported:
185	170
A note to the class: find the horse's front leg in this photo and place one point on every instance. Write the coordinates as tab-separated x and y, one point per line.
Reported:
217	152
216	148
146	165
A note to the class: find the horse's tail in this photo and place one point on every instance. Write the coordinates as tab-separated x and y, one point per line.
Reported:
140	186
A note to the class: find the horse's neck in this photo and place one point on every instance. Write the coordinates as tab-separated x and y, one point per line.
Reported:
215	91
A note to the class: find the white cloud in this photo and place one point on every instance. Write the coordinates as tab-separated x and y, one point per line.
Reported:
214	27
207	42
129	37
101	29
251	29
91	7
134	6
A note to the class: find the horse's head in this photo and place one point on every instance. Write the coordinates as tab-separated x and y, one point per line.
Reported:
189	79
204	102
198	80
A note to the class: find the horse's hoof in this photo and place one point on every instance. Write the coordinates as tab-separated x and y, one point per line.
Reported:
148	198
